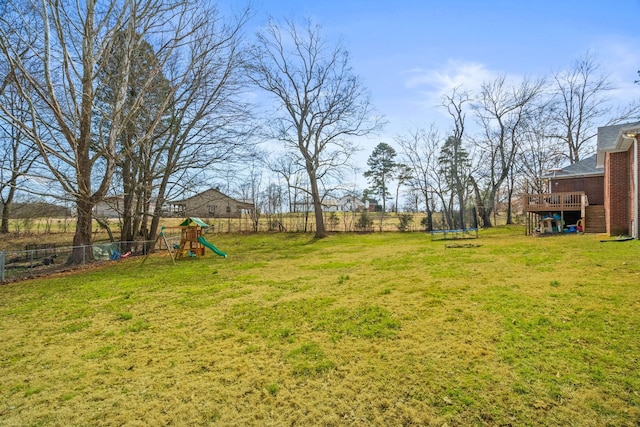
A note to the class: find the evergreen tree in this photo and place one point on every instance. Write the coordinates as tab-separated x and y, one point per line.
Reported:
382	166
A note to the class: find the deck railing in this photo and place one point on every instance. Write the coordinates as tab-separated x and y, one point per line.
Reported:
568	201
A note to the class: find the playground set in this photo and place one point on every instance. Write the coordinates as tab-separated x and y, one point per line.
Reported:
192	241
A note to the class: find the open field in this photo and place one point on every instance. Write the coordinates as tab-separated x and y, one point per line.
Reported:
60	230
370	329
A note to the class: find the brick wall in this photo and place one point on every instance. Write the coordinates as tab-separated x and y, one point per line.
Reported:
617	192
632	206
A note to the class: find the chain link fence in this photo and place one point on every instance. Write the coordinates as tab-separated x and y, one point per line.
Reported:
43	259
48	258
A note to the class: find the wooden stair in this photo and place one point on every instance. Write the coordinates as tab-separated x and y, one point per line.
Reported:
594	221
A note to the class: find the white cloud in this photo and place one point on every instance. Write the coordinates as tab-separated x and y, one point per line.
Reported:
468	75
430	85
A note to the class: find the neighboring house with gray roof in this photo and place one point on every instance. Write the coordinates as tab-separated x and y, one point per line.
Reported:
211	203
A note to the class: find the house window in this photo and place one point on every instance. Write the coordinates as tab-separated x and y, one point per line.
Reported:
212	209
228	209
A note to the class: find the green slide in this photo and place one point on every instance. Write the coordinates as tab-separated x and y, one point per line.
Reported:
210	246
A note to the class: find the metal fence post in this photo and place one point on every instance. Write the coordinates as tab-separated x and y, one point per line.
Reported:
2	262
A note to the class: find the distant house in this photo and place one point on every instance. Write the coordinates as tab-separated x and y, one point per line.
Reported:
305	204
110	207
37	210
371	205
210	203
344	204
113	207
350	204
330	205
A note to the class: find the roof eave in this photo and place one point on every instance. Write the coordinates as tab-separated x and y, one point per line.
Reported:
622	144
578	175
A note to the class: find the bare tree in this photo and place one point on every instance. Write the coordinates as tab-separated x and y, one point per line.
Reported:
17	153
62	71
454	158
539	150
288	167
251	189
209	126
403	176
502	111
419	151
581	103
322	103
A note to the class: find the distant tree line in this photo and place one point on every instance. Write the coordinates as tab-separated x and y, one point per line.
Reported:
521	130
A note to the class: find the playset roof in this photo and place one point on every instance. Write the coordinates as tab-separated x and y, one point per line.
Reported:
194	222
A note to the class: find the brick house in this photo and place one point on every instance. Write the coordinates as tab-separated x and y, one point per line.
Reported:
574	200
618	156
581	176
210	203
601	193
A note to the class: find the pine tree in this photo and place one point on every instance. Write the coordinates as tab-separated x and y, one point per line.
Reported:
382	166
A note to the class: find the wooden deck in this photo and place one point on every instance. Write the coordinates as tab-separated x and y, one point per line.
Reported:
555	202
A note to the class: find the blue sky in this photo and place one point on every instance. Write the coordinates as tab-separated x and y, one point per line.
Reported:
408	52
411	52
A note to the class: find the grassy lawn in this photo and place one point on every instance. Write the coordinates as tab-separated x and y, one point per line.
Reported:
375	329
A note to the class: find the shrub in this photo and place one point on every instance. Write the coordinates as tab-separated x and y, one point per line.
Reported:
333	220
365	222
405	220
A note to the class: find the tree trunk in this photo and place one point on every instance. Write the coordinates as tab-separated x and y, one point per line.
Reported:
82	238
509	207
429	220
105	225
460	191
461	216
4	228
155	219
128	184
485	215
317	204
429	212
397	194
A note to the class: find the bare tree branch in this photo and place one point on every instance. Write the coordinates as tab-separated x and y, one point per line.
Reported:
322	104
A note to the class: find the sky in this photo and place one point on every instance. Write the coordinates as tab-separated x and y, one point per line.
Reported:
410	52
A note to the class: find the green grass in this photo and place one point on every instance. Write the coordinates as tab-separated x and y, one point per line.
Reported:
373	329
